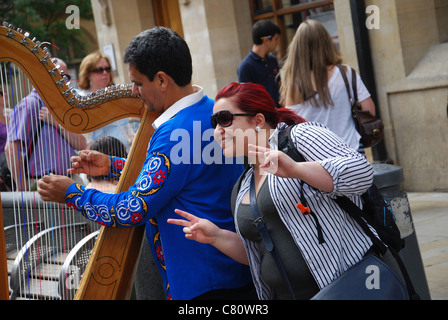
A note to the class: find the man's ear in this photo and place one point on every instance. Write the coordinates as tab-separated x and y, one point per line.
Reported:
161	79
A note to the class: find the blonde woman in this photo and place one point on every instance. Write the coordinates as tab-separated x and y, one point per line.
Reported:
313	86
95	73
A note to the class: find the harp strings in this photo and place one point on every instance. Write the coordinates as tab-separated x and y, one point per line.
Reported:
45	233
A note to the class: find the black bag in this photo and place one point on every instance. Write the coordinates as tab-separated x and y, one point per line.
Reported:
377	211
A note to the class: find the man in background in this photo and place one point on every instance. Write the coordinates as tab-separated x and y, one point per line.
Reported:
260	66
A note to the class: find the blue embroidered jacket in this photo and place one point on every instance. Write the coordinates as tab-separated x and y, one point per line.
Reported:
184	169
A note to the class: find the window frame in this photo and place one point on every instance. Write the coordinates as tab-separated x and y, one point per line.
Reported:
278	15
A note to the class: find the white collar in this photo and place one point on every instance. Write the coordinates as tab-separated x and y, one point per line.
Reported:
181	104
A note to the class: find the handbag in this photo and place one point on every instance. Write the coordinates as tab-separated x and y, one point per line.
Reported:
369	127
369	279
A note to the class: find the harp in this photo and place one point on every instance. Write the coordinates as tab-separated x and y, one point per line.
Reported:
113	260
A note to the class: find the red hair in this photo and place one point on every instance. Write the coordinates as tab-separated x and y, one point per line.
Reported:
253	98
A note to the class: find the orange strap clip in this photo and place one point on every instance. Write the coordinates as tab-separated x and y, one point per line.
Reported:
303	209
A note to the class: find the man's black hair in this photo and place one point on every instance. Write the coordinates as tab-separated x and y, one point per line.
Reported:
264	28
161	49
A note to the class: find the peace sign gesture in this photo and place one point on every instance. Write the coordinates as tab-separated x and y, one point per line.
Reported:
200	230
205	231
278	163
273	161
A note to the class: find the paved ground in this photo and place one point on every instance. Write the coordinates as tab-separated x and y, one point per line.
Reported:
430	215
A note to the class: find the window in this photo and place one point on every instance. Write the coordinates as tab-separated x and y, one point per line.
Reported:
288	14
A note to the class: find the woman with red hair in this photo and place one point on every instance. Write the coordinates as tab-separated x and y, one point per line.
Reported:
314	239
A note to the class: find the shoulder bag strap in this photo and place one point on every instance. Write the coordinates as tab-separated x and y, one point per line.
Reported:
259	223
347	86
356	213
236	189
354	86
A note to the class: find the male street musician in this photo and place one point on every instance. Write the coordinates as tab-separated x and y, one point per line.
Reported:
160	68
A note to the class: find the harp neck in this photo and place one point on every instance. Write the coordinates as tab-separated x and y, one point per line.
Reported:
81	115
76	113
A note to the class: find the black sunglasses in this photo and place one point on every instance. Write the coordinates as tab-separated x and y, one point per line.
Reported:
225	118
101	70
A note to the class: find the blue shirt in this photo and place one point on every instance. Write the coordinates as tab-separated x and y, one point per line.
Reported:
255	69
184	169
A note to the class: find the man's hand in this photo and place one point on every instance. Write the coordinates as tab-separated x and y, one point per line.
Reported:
53	188
90	162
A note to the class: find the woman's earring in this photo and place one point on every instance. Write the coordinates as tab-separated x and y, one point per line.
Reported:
257	128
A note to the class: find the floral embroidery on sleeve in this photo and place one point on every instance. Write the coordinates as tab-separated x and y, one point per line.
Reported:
116	167
133	209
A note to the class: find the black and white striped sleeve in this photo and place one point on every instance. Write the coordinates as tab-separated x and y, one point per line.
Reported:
352	173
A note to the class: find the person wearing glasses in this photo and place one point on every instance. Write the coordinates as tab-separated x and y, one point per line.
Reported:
36	144
260	66
160	67
95	74
247	123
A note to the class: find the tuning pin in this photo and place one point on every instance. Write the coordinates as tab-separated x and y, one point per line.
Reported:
66	77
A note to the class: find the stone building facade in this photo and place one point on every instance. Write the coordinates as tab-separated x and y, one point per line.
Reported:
408	49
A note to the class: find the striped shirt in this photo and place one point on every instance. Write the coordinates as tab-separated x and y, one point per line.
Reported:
345	242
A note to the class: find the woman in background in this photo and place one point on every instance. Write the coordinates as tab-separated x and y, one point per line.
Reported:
95	74
313	87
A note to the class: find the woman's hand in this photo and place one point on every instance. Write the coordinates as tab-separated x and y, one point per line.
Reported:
205	231
200	230
274	161
281	165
